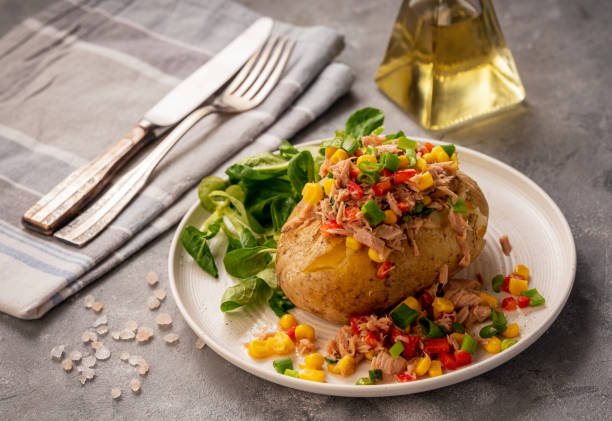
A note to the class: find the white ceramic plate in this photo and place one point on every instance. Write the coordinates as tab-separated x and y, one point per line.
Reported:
538	231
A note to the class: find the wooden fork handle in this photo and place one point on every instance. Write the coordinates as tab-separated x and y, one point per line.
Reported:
66	199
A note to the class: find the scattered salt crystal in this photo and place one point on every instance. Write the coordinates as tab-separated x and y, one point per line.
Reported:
97	307
85	337
199	343
115	393
57	352
67	365
102	330
171	338
103	353
131	325
135	360
143	369
89	300
144	334
126	335
102	320
96	345
153	303
135	385
116	335
87	374
124	356
160	294
89	361
76	355
93	336
164	320
152	278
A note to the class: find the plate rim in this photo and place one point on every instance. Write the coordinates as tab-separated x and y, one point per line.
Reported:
392	389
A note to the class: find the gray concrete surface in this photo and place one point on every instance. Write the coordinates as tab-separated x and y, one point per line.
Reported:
560	137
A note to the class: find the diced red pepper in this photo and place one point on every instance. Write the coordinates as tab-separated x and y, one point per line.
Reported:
354	172
404	377
355	321
405	206
371	339
358	152
426	300
436	346
384	269
355	190
423	150
400	177
509	304
329	225
523	301
291	333
429	146
410	347
382	187
506	285
351	214
386	172
448	361
462	357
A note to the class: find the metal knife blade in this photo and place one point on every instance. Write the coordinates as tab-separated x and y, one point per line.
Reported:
201	84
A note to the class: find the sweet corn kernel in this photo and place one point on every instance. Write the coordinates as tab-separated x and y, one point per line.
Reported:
490	300
516	286
330	151
390	217
440	154
378	258
287	321
493	345
425	181
429	158
421	165
313	375
312	193
280	343
304	331
314	361
259	349
457	337
332	368
426	200
436	368
352	244
367	158
338	156
413	303
442	305
512	331
455	164
522	271
346	366
404	163
370	354
423	366
327	185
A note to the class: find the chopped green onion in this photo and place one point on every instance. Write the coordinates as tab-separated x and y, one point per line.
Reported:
283	364
350	144
388	142
292	373
406	144
458	206
491	330
330	360
330	175
372	213
396	135
507	343
406	218
411	156
430	329
403	316
449	149
368	178
331	201
364	381
469	344
458	327
370	167
397	349
371	150
497	282
375	375
498	318
535	299
389	161
378	130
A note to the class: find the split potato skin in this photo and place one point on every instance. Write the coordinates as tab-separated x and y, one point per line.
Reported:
321	275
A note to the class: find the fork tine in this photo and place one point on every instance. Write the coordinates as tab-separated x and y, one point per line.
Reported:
244	71
265	73
275	76
254	72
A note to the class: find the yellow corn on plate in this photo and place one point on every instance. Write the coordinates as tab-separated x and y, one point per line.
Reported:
259	349
421	165
378	258
338	156
522	271
442	305
413	303
516	286
390	217
436	369
327	185
425	181
312	193
314	361
281	343
512	331
493	346
304	332
313	375
352	243
429	158
367	158
346	366
287	321
490	300
440	154
458	337
423	366
330	151
404	163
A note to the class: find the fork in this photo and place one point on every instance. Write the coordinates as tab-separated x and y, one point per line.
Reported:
247	90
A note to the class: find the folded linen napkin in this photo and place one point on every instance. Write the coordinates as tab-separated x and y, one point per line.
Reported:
76	76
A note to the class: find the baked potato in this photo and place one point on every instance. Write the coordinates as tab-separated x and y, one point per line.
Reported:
321	275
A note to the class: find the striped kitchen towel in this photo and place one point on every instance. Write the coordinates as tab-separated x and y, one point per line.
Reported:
76	76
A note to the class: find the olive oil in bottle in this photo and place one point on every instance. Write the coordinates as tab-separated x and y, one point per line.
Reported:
447	62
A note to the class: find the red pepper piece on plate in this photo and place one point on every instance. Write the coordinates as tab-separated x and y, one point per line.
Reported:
509	304
462	357
523	301
506	285
382	187
327	226
404	377
448	361
384	268
436	346
355	190
401	177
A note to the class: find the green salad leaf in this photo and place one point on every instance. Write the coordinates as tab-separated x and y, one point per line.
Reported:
194	242
207	185
300	171
241	294
363	122
279	303
246	262
287	150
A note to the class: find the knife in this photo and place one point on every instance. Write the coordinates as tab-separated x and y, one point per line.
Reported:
66	199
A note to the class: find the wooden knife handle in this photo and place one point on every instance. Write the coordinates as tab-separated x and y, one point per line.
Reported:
66	199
